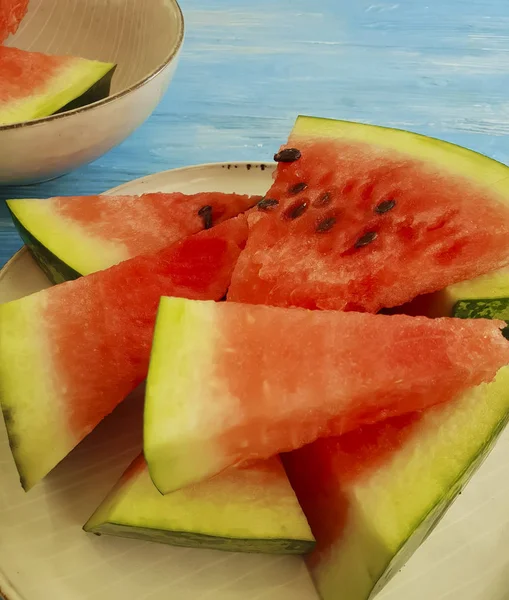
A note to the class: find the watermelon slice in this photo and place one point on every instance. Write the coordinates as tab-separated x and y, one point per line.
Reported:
356	211
233	382
35	85
12	13
373	495
73	236
69	354
250	509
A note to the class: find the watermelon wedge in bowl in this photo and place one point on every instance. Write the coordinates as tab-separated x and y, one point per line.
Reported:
52	84
95	31
231	382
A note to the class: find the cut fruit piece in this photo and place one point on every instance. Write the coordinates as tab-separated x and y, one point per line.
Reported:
12	13
233	382
69	354
250	509
73	236
373	495
359	210
35	85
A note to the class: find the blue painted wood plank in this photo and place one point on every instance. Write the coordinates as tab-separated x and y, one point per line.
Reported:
439	67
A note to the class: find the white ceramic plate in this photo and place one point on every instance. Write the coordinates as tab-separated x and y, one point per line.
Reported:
44	554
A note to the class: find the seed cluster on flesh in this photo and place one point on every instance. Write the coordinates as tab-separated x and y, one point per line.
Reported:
323	225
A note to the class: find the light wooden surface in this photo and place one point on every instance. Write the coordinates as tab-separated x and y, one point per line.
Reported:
439	67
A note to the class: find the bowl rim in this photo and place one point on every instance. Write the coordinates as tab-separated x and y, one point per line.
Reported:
135	86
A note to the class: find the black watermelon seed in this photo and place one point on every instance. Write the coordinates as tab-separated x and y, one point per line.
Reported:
294	212
326	225
323	200
385	206
366	239
287	155
297	188
205	213
267	203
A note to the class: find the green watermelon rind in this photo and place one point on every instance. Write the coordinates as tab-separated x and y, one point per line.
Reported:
436	512
97	92
53	267
194	540
243	511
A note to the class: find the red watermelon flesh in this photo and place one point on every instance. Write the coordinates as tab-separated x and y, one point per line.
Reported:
27	72
11	15
368	217
231	382
373	495
35	85
90	233
71	353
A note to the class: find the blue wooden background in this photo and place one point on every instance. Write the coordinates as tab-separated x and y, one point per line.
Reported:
439	67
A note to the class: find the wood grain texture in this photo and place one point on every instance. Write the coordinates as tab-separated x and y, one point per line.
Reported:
439	67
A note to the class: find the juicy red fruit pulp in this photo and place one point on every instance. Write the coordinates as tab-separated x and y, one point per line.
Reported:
352	226
322	472
100	327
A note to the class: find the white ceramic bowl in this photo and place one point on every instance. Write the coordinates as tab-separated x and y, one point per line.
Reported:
143	37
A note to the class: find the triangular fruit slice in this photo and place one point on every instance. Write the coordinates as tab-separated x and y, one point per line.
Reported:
69	354
11	15
250	509
232	382
35	85
373	495
362	217
73	236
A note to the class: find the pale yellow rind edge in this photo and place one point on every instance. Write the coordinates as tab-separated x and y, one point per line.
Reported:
454	159
70	83
234	504
178	434
28	390
434	461
83	252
